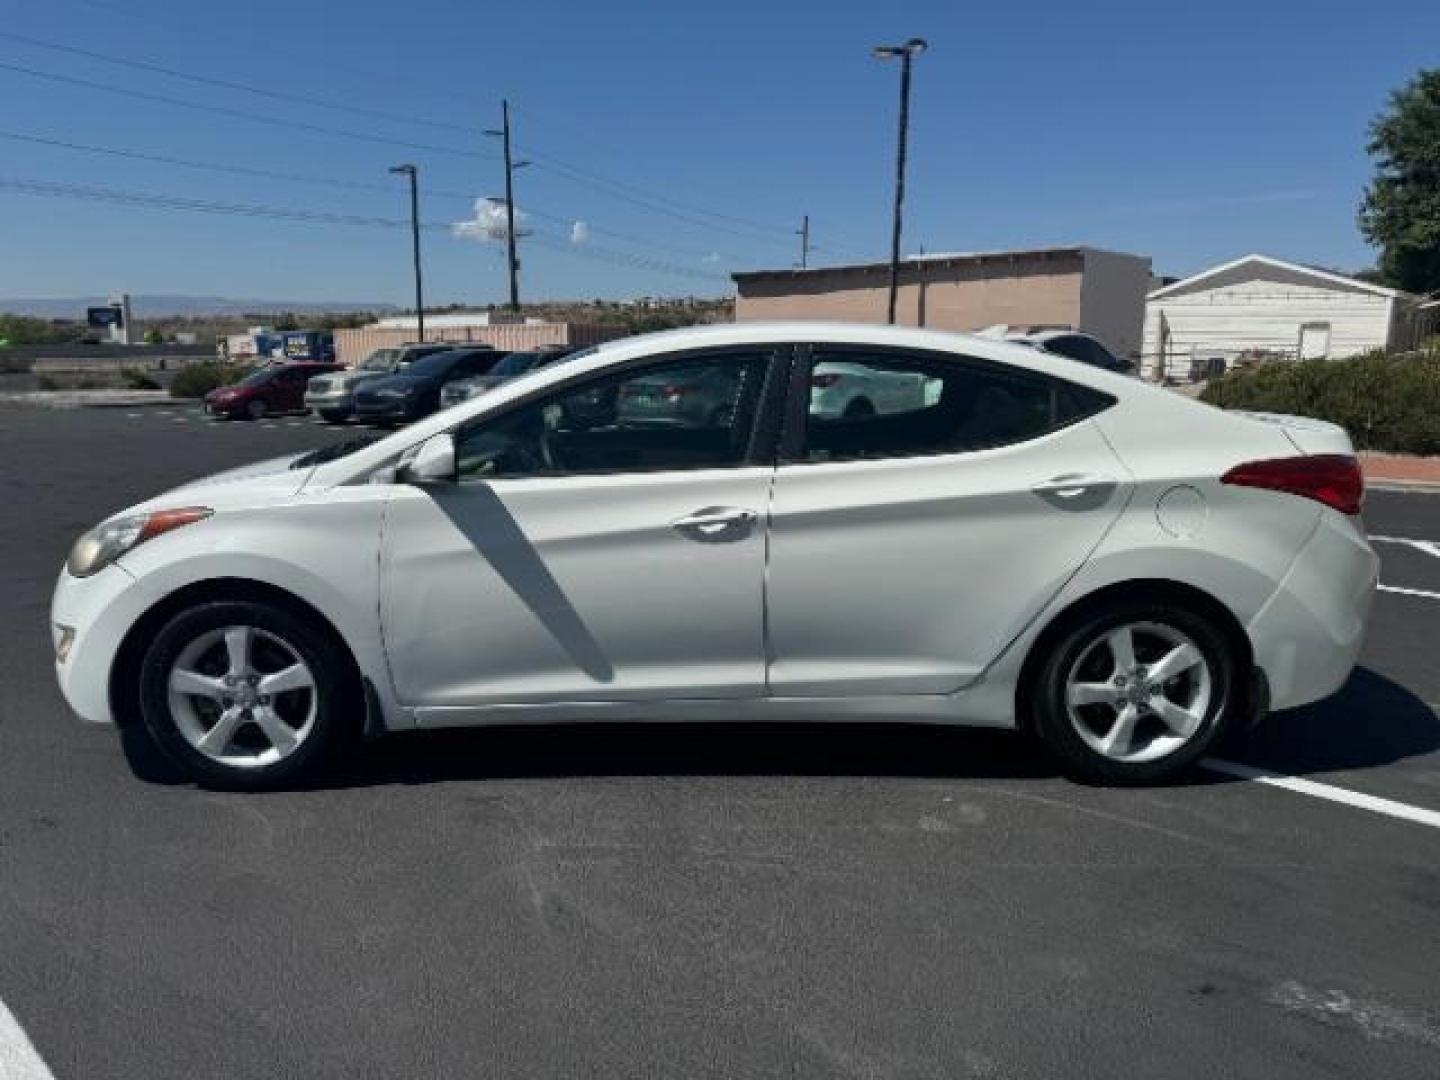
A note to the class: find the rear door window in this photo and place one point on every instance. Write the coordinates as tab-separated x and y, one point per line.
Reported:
883	404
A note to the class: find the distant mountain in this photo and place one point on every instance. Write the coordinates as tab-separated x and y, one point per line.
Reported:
160	305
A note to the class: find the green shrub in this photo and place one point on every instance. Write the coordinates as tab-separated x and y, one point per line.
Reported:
197	380
136	379
1389	403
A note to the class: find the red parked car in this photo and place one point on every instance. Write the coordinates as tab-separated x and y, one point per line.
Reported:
277	388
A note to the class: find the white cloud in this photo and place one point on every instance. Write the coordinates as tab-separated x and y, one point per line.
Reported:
489	222
580	233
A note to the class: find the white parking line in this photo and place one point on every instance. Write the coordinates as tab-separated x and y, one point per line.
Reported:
1426	593
1428	547
1373	803
19	1060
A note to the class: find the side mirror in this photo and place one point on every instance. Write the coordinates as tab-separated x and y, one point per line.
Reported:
432	462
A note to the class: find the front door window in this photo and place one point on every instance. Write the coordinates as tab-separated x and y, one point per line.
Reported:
695	413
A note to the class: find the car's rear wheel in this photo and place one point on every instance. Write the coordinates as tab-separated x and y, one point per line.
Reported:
859	409
247	695
255	410
332	416
1136	694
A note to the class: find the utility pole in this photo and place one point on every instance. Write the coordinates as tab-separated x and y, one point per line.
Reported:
804	233
510	211
414	174
907	52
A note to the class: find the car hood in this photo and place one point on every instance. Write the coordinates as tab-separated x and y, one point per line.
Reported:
351	378
477	382
395	382
272	478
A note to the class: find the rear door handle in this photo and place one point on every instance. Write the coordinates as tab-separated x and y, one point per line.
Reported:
712	521
1072	485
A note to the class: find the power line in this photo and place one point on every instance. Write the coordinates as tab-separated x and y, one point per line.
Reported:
623	258
242	114
203	206
158	201
226	84
637	195
618	192
209	166
327	181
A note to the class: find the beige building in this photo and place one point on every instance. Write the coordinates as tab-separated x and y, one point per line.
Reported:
1078	288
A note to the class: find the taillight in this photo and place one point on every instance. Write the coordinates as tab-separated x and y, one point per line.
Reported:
673	393
825	381
1333	479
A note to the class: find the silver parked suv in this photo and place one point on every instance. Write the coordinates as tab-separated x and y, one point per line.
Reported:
333	395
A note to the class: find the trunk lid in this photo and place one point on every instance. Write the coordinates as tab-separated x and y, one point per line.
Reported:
1309	436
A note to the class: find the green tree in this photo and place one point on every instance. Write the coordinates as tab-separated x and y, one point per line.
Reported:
154	337
1400	213
19	330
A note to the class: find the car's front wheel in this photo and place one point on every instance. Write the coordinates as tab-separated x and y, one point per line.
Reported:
333	416
255	409
1136	694
247	695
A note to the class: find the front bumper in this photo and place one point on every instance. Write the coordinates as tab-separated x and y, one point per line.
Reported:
1308	636
330	402
383	409
99	610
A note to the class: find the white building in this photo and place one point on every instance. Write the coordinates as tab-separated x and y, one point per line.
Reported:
1260	305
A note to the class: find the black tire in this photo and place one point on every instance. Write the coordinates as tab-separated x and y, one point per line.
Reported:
859	409
1050	717
338	705
331	416
256	409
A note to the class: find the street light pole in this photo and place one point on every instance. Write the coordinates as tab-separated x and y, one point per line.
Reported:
804	233
413	173
907	53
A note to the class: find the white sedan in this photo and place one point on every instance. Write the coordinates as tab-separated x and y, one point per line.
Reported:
1016	541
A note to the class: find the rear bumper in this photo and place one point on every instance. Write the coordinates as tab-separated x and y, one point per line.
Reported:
1308	636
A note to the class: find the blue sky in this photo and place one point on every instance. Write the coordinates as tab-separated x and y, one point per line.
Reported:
688	138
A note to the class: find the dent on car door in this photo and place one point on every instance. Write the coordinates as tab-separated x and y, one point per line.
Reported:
909	547
584	561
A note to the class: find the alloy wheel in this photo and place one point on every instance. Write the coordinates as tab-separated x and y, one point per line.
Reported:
242	696
1139	692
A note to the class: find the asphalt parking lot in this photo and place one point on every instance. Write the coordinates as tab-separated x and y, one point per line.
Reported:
706	900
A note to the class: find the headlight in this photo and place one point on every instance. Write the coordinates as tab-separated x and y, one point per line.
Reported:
105	543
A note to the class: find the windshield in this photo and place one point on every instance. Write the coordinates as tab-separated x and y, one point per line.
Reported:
258	377
434	364
334	452
517	363
380	360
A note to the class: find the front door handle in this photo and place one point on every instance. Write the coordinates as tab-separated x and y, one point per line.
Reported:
715	521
